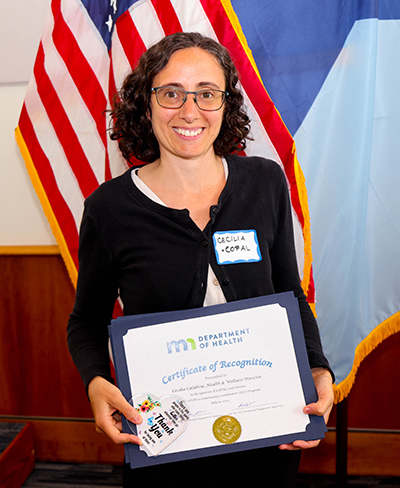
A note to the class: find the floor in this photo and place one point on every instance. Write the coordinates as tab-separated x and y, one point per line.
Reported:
320	481
58	475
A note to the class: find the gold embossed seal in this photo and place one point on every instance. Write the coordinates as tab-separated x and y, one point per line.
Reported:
227	429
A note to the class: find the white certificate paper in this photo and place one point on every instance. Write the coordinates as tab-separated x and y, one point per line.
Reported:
207	384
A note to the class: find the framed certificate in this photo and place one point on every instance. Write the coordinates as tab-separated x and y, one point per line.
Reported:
216	379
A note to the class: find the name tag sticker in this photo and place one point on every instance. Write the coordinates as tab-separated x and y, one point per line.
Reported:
236	246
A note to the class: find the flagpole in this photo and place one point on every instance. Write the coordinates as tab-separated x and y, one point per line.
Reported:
341	443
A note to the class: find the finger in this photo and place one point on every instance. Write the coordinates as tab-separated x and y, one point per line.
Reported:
132	415
127	410
323	405
297	445
306	444
120	438
288	447
320	408
113	429
315	409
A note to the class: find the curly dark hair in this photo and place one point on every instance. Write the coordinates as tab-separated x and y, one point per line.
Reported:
132	127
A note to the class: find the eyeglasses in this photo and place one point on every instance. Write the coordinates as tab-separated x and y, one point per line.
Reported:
173	97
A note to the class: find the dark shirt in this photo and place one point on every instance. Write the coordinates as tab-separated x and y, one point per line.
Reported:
156	258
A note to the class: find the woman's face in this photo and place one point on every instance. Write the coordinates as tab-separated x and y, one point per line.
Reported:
188	132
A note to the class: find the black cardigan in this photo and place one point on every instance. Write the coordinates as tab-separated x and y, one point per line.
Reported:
156	258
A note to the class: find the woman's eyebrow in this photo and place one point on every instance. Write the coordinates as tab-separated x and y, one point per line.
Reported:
200	84
208	83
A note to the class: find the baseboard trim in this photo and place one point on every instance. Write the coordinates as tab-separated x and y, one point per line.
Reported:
29	250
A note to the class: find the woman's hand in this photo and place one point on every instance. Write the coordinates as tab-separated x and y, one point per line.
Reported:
323	407
108	404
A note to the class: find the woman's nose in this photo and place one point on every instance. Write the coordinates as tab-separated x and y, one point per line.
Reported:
190	110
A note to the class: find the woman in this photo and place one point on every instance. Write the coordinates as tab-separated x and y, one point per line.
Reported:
147	236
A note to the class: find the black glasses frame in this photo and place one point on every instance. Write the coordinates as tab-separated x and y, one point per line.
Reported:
195	93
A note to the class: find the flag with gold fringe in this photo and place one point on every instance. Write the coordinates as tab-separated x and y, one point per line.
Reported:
333	72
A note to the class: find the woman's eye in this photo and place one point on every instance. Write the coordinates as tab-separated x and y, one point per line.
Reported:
171	94
207	95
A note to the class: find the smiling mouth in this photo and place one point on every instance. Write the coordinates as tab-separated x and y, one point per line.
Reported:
188	133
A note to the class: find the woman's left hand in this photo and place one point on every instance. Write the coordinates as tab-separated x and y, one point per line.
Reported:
323	407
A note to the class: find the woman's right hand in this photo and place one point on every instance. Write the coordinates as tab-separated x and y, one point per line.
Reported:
108	404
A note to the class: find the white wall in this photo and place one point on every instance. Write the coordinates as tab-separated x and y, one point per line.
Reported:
22	221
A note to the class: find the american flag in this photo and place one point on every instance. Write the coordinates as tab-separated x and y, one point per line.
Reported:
86	50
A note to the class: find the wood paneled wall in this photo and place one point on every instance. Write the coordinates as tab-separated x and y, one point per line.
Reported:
37	375
39	382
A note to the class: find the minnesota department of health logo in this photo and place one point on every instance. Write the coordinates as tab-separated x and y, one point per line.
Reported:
175	346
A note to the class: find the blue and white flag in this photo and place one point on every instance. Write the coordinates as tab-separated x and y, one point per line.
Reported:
332	69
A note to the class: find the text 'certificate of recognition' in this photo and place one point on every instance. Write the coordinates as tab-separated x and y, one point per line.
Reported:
220	379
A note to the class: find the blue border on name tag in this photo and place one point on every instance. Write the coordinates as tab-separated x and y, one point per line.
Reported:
220	260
